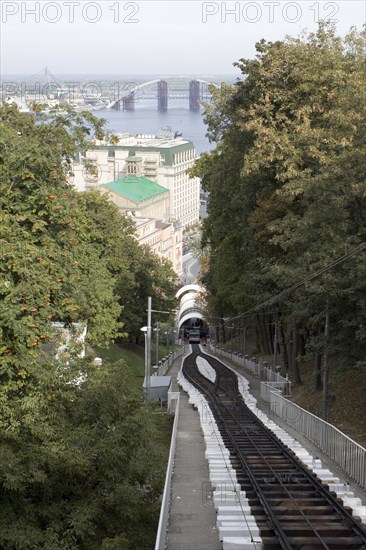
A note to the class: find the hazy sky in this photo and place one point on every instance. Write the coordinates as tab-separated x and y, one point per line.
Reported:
153	36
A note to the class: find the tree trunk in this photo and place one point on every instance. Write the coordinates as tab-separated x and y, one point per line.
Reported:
223	332
281	339
295	373
301	345
289	346
318	372
263	337
257	338
268	336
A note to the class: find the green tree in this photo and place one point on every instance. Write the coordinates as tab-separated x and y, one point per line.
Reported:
49	272
139	273
84	472
155	277
78	466
288	189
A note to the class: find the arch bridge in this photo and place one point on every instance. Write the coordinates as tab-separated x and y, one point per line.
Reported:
198	90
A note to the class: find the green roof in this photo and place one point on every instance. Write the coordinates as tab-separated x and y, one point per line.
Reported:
136	188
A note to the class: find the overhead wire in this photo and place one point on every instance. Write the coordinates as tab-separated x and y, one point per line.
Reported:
314	275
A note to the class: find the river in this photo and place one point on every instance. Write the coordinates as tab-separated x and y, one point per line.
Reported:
146	119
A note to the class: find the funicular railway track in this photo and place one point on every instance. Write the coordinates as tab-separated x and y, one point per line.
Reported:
293	509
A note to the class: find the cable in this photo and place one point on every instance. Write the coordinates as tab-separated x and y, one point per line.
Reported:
277	297
244	315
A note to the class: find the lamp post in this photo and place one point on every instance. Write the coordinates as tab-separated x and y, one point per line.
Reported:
245	344
147	377
147	331
173	333
275	344
166	333
157	344
325	365
148	340
148	344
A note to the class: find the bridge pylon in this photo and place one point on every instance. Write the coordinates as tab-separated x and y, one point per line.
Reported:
162	95
128	102
194	95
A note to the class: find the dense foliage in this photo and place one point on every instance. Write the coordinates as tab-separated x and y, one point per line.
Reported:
82	469
73	459
288	196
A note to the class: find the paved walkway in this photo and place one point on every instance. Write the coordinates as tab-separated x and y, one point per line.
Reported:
192	523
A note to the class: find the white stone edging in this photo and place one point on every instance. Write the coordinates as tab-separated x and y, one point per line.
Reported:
314	464
236	524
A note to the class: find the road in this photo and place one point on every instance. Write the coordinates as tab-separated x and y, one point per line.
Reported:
203	210
191	268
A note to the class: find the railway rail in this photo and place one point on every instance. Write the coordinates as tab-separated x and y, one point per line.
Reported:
293	509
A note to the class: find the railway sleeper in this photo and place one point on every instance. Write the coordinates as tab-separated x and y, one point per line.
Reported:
260	460
305	543
332	530
261	464
276	500
332	542
295	492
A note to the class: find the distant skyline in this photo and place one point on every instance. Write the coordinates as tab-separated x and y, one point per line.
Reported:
176	37
126	75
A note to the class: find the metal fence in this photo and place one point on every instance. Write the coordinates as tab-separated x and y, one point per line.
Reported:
258	369
349	455
165	505
345	452
167	362
268	387
173	401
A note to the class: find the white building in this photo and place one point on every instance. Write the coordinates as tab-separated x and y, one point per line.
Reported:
164	160
147	203
162	238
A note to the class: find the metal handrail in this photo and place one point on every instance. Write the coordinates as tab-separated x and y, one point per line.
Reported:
205	387
163	369
165	505
349	455
257	369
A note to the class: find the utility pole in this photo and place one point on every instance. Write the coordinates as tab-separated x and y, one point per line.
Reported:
174	332
245	345
275	343
157	345
148	346
325	365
